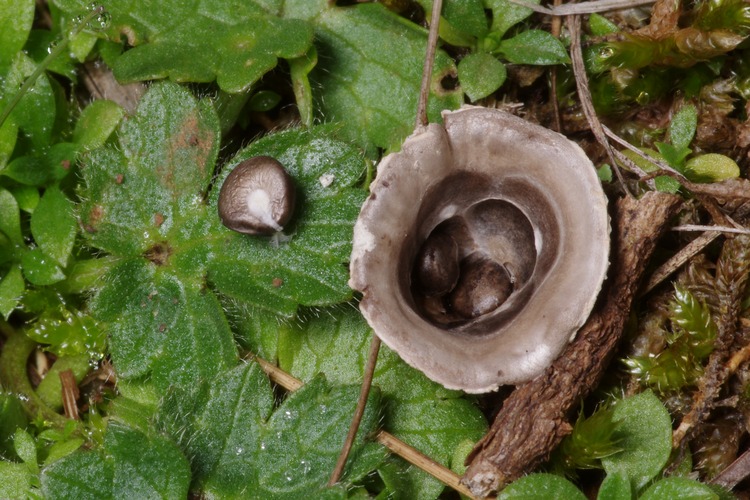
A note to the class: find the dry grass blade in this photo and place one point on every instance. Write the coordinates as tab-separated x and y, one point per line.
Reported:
679	259
70	394
589	7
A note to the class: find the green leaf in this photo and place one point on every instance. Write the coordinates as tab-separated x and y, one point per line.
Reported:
12	417
48	166
615	487
64	329
40	269
417	410
541	486
233	43
711	167
35	112
300	69
97	122
663	183
506	14
480	75
141	193
465	16
10	220
16	480
534	47
39	45
678	487
63	449
264	100
240	444
369	73
16	17
11	288
310	268
130	465
160	323
683	126
674	156
645	430
27	197
8	136
601	26
54	226
26	449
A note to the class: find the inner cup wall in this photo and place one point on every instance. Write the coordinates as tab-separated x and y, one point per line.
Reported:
458	196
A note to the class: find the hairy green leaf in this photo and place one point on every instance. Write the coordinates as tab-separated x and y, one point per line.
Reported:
145	202
682	127
417	410
480	75
541	486
130	465
16	480
232	43
97	122
369	71
239	443
616	486
678	487
16	17
645	430
506	14
534	47
711	167
26	449
54	226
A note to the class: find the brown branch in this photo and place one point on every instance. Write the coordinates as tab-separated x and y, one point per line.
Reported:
534	419
70	394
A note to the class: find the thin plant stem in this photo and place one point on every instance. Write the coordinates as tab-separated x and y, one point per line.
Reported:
372	360
61	46
429	62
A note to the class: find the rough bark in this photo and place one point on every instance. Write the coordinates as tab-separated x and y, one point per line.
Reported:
535	417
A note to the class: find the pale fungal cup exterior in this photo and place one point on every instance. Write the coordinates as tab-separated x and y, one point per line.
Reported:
527	211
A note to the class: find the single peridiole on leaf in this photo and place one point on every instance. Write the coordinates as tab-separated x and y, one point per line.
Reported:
481	249
257	197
